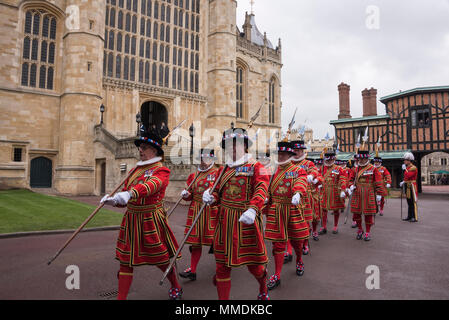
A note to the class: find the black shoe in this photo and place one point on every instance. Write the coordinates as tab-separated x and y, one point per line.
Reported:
188	274
273	282
300	269
413	220
359	235
175	294
315	237
407	219
288	258
367	237
211	250
324	231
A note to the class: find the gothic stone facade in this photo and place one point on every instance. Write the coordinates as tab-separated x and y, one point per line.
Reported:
164	60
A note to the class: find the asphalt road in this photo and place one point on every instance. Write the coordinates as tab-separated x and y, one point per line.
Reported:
412	259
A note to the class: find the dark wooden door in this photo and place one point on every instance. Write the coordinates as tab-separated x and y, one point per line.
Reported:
41	173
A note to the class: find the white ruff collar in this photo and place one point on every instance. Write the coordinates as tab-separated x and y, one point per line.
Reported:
207	169
329	165
284	162
300	158
147	162
240	161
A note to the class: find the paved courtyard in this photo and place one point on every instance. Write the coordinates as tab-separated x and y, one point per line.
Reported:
412	259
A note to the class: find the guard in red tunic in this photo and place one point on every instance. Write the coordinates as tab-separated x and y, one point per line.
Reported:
316	198
241	193
367	187
411	190
299	159
386	176
285	219
203	232
351	175
145	237
335	183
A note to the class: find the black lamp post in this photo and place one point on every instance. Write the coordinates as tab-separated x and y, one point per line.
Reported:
101	110
138	120
192	134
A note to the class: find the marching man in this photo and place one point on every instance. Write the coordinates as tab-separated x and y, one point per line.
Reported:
367	187
299	159
285	219
240	195
145	237
318	197
203	232
386	177
335	182
411	191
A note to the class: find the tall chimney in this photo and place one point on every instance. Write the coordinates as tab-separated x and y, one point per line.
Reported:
366	103
373	101
343	90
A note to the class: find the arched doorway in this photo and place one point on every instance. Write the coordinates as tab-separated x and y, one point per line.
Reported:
153	113
41	173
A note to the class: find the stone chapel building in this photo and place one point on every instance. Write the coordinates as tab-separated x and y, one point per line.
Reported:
78	77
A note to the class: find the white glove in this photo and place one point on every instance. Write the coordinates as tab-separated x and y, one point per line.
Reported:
309	178
378	198
342	194
121	198
404	167
185	194
106	200
320	186
349	191
296	198
352	188
208	199
315	181
388	185
401	184
248	216
266	201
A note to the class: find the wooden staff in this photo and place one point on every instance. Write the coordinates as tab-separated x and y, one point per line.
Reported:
179	201
86	221
190	230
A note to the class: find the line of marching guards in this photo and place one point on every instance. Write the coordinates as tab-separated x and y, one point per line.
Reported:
228	205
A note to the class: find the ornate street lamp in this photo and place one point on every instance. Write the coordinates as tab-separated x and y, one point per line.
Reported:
102	111
192	134
138	120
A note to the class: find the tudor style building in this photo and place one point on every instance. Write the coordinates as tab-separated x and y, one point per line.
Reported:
153	61
415	120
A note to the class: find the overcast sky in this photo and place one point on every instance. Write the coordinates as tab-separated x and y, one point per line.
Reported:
326	42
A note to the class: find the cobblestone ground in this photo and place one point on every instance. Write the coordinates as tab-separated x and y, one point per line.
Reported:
412	259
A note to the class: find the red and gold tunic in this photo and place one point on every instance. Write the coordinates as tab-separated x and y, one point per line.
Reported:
284	220
310	169
369	183
335	181
239	189
386	176
203	232
410	176
144	236
317	198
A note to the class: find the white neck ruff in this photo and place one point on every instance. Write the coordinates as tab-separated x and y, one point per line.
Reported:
240	161
207	169
147	162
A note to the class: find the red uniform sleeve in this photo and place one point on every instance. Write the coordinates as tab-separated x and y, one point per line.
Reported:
152	184
189	181
387	176
379	183
343	179
259	182
300	183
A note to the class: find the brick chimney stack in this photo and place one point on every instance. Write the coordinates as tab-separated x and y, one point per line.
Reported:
369	102
373	101
345	111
